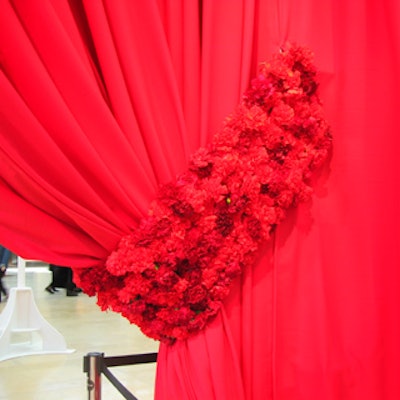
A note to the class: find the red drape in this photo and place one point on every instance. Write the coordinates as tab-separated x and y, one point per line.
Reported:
100	101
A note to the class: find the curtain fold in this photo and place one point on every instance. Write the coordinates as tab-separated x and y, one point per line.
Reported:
103	101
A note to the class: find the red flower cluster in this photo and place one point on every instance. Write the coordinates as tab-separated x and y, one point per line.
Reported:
171	274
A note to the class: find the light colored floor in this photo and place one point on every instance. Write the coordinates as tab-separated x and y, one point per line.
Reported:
85	328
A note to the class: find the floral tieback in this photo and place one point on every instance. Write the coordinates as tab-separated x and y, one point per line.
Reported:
171	274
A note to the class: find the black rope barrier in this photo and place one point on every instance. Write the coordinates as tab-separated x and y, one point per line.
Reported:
95	364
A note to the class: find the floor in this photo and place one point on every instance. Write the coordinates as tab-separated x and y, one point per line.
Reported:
85	328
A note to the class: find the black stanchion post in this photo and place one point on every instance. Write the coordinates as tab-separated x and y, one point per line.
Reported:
92	365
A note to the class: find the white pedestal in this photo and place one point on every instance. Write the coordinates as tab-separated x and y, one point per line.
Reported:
23	330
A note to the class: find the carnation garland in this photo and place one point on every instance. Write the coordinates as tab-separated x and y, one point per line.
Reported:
171	275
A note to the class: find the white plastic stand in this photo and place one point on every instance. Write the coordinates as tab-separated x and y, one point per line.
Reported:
23	330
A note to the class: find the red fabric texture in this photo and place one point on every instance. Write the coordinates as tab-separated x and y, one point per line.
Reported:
102	101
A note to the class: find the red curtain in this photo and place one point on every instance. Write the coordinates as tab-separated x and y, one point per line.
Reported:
101	101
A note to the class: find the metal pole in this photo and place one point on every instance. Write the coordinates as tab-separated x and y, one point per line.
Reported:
93	368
